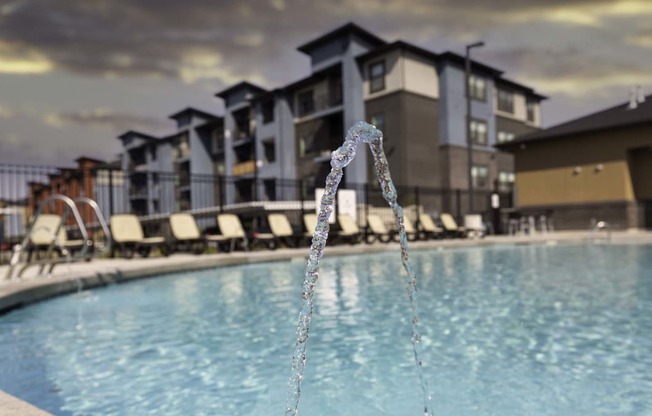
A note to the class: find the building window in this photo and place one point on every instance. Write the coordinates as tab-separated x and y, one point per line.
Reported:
270	189
269	150
306	103
152	153
477	88
478	132
220	167
218	140
505	136
505	101
479	176
505	181
268	111
377	76
308	187
378	120
306	145
530	110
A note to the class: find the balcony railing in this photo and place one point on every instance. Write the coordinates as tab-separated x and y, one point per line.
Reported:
321	102
244	168
138	192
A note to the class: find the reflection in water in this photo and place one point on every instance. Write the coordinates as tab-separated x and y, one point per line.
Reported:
571	338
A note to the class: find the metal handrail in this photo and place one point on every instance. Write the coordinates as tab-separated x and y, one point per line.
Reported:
100	218
18	249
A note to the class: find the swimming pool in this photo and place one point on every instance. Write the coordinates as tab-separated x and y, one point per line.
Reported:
541	330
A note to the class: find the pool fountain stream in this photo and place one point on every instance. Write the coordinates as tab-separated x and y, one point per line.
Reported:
360	132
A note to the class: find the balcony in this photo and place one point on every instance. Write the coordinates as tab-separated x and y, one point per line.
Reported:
138	192
244	168
319	103
323	156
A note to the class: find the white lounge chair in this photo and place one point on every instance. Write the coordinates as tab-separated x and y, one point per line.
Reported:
185	234
428	227
474	226
282	230
410	232
310	223
349	230
42	236
377	230
450	226
128	236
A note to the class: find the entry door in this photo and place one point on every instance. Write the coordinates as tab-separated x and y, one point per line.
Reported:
640	167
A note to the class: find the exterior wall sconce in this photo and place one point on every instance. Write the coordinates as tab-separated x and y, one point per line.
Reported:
577	170
598	168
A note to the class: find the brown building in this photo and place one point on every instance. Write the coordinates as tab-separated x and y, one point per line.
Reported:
597	167
71	182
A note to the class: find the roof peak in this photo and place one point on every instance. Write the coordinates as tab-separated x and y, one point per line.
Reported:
347	28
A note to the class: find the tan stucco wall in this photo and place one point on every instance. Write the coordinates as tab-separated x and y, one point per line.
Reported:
404	71
575	184
420	76
545	170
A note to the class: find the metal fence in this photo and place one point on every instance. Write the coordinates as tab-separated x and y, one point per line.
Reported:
154	195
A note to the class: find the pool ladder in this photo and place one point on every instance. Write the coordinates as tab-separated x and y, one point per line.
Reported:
21	257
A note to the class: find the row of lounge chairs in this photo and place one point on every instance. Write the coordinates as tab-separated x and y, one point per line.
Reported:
185	235
128	237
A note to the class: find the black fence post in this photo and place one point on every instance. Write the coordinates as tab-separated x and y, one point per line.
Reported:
366	211
110	192
458	202
417	207
300	190
220	180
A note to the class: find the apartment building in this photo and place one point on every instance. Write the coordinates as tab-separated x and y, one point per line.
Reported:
415	96
159	168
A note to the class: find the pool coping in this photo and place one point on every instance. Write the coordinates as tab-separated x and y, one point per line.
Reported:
68	279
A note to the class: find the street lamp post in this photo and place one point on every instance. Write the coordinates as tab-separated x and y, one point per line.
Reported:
469	141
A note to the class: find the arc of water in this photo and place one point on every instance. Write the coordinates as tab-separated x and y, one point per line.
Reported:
360	132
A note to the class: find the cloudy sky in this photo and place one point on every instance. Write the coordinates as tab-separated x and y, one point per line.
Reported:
75	74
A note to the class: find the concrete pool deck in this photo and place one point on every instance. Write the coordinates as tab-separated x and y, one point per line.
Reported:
70	278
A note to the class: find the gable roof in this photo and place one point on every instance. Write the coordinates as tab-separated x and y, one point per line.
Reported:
475	65
134	133
618	116
339	32
193	111
401	45
240	85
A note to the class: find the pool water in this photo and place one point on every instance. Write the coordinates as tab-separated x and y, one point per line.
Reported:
519	330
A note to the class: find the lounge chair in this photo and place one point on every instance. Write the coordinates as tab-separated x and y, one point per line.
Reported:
231	228
42	237
450	226
474	226
282	230
410	231
428	227
231	231
310	223
349	230
186	235
376	230
128	236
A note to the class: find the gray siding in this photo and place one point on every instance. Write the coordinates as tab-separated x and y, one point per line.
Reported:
453	97
410	135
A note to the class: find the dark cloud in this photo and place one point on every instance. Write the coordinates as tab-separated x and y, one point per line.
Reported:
158	37
107	119
582	53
